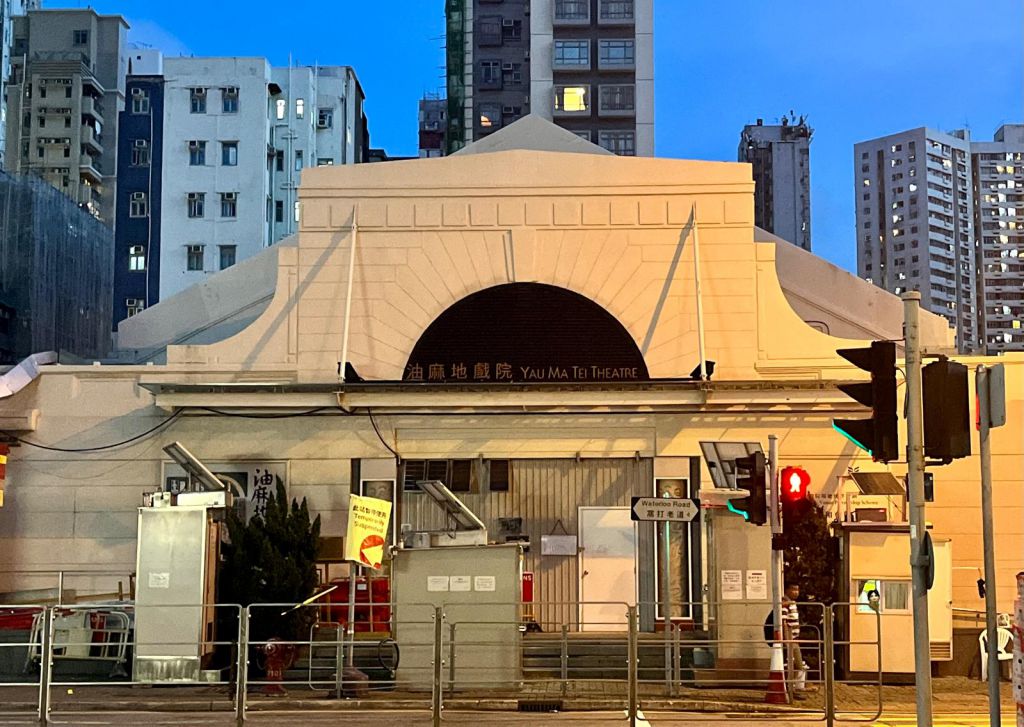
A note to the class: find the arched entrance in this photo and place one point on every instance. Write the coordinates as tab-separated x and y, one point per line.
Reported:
525	332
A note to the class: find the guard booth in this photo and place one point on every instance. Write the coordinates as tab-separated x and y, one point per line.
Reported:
876	582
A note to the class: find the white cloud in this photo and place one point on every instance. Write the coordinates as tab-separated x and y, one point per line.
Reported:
150	35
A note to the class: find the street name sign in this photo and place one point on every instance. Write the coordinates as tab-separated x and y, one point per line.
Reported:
671	509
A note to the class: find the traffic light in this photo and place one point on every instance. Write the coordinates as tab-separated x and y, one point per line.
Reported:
750	473
876	435
947	415
794	483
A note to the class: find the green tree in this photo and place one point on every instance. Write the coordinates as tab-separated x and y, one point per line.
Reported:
810	558
272	559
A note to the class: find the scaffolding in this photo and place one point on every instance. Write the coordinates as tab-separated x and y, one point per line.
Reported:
56	274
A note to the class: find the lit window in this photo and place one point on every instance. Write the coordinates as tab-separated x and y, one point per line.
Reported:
282	107
490	115
867	182
572	99
194	257
137	258
300	108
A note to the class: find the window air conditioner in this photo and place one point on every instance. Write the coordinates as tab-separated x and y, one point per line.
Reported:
507	67
508	23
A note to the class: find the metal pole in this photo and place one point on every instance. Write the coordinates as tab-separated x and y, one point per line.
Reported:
700	297
350	627
565	658
666	600
437	694
915	493
828	667
775	518
45	659
348	295
60	588
631	670
451	659
982	386
242	666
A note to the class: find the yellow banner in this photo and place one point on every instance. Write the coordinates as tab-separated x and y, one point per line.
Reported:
367	532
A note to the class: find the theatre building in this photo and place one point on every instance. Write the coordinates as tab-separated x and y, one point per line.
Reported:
521	321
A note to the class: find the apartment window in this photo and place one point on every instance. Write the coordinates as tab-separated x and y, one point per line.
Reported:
140	153
511	31
500	475
325	118
229	204
572	54
573	10
80	37
490	115
298	160
194	257
137	258
490	74
611	10
282	108
229	153
489	30
617	54
572	99
324	162
227	256
278	211
582	133
300	108
617	98
140	101
197	153
229	99
511	74
196	204
279	161
134	306
138	205
296	209
197	100
622	143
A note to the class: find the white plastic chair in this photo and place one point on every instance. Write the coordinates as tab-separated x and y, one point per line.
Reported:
1005	649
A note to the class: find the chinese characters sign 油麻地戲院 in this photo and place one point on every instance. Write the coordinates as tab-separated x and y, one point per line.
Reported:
486	372
367	530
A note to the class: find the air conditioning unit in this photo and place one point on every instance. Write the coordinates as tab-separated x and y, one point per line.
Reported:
140	143
508	23
507	67
509	109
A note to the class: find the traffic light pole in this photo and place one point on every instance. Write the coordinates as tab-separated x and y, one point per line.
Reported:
775	519
915	490
982	384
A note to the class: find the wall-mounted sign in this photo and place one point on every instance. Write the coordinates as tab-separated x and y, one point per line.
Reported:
522	333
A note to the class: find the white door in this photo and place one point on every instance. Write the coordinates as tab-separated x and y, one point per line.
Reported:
607	562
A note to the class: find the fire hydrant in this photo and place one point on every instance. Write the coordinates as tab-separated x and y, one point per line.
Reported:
278	655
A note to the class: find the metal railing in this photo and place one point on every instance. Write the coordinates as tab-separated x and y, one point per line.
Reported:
429	657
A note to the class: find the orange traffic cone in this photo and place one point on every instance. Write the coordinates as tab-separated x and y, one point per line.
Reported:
777	693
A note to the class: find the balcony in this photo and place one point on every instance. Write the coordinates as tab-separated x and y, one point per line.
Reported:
91	107
88	171
91	139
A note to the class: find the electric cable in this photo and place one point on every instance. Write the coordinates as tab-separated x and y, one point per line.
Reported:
237	415
152	430
369	413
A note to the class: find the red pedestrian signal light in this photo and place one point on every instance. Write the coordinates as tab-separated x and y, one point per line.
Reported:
795	482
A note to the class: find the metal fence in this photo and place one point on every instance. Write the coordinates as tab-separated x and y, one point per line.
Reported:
428	658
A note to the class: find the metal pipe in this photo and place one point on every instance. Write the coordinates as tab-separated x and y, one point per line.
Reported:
915	491
60	588
775	518
633	666
242	667
45	662
451	659
828	666
991	627
437	695
350	626
348	294
565	658
700	297
666	599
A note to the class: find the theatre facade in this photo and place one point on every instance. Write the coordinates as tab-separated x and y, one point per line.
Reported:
521	321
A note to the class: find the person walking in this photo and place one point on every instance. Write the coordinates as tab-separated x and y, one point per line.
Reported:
797	668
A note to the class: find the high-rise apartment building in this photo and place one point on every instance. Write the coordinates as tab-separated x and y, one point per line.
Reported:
8	10
998	170
915	222
66	90
433	126
587	65
781	158
214	151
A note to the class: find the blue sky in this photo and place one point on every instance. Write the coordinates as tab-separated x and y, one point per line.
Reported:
857	69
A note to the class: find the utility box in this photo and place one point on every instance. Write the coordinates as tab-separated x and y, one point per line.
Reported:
480	590
176	568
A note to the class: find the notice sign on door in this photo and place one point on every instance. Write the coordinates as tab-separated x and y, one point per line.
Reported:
367	531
